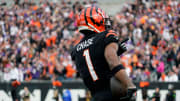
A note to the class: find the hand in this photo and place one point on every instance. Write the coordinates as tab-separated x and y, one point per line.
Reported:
122	47
131	92
130	95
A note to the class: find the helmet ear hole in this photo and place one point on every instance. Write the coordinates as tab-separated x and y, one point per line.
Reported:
108	24
101	22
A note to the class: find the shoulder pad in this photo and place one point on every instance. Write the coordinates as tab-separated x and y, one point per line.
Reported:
110	37
111	32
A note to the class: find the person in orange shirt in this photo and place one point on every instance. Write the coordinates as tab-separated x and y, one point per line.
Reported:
14	92
48	42
70	71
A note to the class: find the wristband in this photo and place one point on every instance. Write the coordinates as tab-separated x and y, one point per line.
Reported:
117	68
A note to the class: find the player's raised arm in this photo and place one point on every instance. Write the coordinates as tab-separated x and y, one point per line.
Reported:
115	66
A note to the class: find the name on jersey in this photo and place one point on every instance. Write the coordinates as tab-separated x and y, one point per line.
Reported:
84	44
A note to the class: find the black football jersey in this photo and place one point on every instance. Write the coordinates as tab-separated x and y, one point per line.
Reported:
90	61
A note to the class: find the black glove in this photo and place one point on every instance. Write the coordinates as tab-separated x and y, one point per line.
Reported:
130	95
122	47
131	92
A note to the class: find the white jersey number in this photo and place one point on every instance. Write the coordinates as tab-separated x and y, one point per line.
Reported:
90	65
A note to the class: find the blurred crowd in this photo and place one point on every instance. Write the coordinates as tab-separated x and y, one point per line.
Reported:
154	30
36	39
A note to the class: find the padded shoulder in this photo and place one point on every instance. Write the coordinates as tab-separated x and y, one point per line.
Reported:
111	36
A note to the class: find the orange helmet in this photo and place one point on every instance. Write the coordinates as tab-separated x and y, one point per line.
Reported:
93	19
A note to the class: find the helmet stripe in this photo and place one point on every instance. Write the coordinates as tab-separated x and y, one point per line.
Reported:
85	16
100	12
91	15
88	14
94	28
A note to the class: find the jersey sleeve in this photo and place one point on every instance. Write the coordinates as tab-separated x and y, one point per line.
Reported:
110	37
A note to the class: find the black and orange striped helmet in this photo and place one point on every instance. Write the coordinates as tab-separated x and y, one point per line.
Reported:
93	19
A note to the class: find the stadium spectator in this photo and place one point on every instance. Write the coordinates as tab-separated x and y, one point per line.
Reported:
67	95
87	97
56	96
14	90
156	95
25	94
171	95
56	84
172	76
144	85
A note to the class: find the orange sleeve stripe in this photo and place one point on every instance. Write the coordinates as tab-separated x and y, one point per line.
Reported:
111	34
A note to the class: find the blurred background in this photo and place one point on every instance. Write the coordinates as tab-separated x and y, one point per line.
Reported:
36	38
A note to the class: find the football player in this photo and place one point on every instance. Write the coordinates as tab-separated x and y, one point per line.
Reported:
96	56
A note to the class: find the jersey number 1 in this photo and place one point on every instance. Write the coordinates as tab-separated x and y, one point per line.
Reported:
90	65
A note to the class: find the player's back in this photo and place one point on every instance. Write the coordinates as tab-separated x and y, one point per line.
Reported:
91	63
